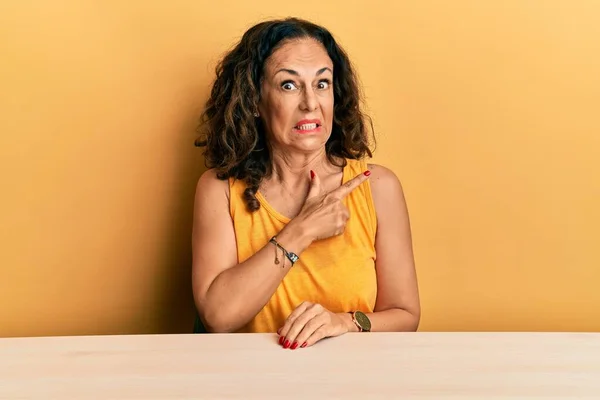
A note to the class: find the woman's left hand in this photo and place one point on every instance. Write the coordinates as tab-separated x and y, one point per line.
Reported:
308	324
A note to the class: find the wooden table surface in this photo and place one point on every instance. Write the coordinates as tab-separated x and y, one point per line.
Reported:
252	366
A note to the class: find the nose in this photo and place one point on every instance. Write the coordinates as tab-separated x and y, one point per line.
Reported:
309	100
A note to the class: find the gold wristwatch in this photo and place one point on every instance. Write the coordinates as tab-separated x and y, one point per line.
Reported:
361	321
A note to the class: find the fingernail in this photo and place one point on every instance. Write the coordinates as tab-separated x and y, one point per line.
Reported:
281	339
304	344
312	174
286	344
295	346
367	173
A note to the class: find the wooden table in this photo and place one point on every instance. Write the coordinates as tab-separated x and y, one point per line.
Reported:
252	366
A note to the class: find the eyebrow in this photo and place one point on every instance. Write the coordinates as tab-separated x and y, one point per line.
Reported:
293	72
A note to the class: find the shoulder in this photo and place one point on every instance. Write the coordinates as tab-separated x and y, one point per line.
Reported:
386	188
211	182
383	178
211	189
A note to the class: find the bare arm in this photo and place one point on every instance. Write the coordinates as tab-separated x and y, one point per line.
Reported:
397	307
227	294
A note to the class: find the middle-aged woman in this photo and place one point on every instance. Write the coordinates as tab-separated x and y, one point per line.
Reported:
293	231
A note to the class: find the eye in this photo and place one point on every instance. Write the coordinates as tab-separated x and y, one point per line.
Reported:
324	84
288	85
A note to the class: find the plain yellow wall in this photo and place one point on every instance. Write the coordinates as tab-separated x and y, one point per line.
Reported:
489	112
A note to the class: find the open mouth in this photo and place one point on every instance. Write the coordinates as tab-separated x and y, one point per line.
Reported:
307	127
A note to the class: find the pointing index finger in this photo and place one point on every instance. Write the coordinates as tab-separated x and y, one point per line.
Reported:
352	184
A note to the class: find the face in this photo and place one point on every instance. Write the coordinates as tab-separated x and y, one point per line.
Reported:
296	104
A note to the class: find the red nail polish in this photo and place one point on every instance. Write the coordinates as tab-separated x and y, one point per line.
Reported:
367	173
295	346
281	339
286	344
312	174
304	344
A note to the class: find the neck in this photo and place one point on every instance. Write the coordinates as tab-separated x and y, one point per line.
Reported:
294	169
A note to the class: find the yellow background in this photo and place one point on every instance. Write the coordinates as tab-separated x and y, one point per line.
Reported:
489	112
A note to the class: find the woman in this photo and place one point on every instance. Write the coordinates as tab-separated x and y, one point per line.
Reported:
293	232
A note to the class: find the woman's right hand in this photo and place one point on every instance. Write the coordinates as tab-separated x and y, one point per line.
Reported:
324	215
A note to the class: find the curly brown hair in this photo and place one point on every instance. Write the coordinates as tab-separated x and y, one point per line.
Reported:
235	140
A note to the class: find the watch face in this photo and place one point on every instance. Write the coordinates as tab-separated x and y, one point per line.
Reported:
363	320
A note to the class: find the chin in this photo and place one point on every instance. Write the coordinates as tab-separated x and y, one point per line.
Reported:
311	147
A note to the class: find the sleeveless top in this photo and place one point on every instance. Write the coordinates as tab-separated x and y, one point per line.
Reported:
338	272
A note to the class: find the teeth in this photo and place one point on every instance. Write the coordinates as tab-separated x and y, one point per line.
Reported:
307	127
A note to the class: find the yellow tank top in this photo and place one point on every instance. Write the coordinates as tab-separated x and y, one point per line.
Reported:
338	272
